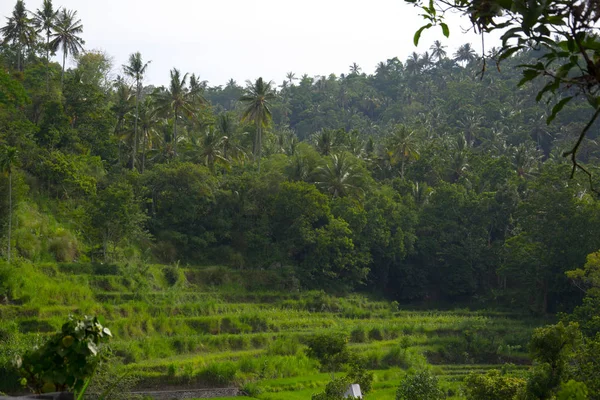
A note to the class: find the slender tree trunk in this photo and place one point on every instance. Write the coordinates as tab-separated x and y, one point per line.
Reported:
47	62
175	133
135	135
19	58
62	75
144	150
258	144
9	212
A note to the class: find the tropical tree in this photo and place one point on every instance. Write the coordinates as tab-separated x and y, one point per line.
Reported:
403	144
438	50
8	158
257	98
19	30
339	176
465	53
355	69
44	20
136	69
177	99
66	36
291	77
148	120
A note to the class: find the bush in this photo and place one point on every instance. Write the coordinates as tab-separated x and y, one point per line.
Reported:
421	385
358	335
330	349
375	334
492	386
284	346
218	374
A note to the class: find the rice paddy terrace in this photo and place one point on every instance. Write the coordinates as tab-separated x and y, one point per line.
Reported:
211	327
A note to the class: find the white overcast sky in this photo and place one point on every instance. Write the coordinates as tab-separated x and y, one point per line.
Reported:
223	39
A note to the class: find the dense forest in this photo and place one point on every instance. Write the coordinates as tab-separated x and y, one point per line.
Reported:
426	182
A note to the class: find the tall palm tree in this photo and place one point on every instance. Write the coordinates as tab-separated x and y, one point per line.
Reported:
8	159
44	20
438	50
404	147
355	69
66	36
324	141
413	64
19	30
136	68
465	53
339	176
257	98
177	99
291	77
149	121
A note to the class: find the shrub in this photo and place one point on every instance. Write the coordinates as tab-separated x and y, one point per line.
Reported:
358	335
284	346
421	385
218	374
375	334
492	386
330	349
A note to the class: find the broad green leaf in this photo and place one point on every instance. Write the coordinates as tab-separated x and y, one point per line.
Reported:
445	29
418	33
556	109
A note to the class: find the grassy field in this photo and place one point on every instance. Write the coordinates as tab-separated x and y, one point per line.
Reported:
179	327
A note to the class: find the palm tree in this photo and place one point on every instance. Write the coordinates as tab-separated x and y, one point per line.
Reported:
403	145
291	77
438	50
8	159
354	69
136	70
19	30
339	177
257	99
413	64
324	141
149	120
65	36
44	20
177	99
465	53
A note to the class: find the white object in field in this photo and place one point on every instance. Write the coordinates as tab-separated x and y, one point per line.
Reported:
353	391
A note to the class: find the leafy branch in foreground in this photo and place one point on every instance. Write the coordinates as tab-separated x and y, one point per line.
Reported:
563	32
68	360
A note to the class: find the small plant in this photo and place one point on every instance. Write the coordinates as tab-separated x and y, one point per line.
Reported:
68	360
422	385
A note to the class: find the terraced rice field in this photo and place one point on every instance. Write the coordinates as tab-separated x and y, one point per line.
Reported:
172	334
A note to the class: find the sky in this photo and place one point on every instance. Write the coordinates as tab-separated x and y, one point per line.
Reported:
224	39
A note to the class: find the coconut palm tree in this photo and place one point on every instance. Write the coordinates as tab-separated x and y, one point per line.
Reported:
136	68
465	53
438	50
44	20
19	30
339	176
176	100
257	98
403	145
291	77
8	159
149	121
355	69
324	141
66	36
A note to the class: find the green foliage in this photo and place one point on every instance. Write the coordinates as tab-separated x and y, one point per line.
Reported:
329	349
493	386
572	390
68	359
421	385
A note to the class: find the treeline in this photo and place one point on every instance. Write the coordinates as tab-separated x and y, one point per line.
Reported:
423	181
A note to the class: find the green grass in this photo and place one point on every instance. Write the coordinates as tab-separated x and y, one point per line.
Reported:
186	332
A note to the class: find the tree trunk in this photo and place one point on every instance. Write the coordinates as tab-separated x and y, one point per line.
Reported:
19	58
144	150
258	143
9	212
62	75
175	133
47	62
135	135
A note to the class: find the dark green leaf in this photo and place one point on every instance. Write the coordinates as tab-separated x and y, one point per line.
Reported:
556	109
